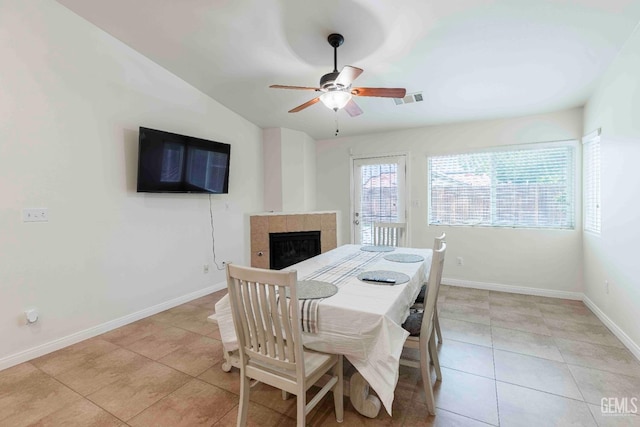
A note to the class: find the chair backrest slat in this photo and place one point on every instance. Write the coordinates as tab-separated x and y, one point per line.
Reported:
268	330
267	319
277	324
389	233
288	329
258	319
244	301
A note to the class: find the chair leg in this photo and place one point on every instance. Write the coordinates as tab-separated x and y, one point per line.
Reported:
426	380
338	390
436	323
244	401
433	351
301	408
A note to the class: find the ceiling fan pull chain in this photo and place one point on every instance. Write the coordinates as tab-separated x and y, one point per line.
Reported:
337	130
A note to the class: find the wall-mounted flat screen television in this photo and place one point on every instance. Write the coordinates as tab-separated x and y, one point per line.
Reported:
172	163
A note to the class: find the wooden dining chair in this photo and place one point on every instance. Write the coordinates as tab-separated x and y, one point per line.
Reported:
419	302
389	233
270	341
420	325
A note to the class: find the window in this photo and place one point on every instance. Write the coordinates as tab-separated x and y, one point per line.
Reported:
530	187
591	181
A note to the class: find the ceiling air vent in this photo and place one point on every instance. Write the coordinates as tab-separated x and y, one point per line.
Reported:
409	99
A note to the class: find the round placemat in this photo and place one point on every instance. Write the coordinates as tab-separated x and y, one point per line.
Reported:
383	277
378	248
404	258
314	289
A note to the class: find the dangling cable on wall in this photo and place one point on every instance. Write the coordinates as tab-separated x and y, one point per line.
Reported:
213	237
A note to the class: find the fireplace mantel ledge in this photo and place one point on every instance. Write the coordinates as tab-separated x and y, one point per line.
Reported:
292	213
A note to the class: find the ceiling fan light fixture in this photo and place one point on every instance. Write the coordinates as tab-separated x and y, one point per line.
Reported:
336	99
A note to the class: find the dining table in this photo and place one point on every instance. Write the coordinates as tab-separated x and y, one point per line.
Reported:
376	286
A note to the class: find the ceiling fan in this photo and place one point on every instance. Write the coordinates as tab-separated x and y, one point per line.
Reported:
336	86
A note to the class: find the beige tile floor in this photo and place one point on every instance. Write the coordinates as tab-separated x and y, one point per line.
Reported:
507	359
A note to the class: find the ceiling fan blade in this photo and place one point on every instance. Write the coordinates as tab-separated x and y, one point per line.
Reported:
305	105
352	108
348	75
379	91
293	87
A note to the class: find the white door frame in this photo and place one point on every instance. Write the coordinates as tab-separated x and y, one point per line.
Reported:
404	197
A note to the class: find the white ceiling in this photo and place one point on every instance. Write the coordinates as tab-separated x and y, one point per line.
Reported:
471	59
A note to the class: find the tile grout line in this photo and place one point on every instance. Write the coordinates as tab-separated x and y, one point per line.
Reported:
582	394
132	351
467	417
495	373
594	368
74	391
543	391
468	373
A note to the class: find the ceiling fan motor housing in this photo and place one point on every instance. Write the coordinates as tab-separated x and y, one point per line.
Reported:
327	82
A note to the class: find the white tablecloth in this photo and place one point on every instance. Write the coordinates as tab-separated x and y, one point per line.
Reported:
363	321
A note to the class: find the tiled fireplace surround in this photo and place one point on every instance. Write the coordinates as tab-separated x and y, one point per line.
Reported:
263	224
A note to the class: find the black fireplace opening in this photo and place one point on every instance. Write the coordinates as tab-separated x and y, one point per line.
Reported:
286	249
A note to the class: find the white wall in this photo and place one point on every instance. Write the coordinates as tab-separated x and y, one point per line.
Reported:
613	255
549	260
309	162
72	99
272	167
289	171
298	172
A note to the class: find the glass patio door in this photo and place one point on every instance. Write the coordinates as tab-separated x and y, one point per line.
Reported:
378	194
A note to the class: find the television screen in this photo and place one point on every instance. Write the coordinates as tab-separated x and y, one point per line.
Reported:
172	163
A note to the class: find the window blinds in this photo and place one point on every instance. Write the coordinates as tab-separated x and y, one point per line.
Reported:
591	182
523	187
379	199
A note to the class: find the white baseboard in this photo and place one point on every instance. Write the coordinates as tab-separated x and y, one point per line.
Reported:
514	289
41	350
622	336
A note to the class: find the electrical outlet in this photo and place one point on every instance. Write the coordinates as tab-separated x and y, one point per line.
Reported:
460	260
35	215
205	268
